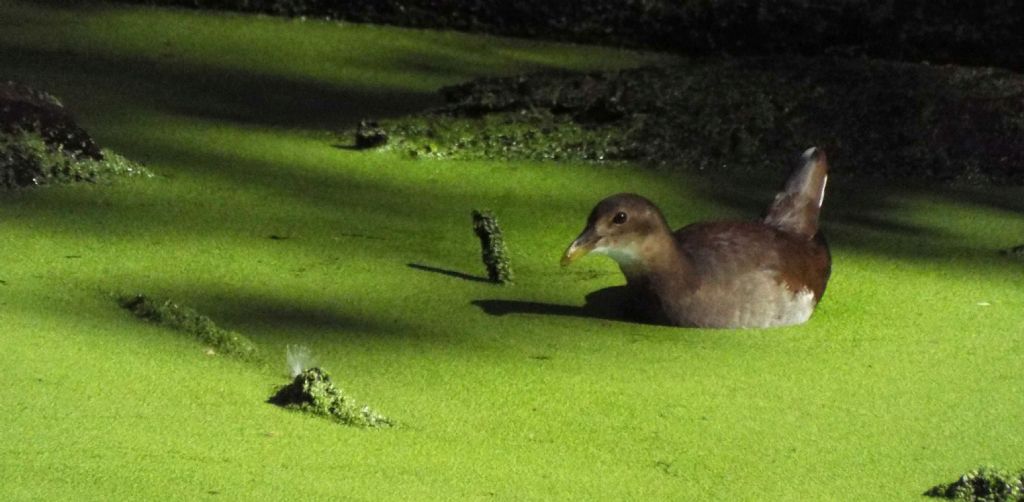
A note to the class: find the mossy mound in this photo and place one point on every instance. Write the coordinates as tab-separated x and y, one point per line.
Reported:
312	391
40	143
26	160
370	135
181	318
985	484
875	119
23	108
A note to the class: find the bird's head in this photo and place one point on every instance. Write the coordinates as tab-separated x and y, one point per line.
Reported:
618	227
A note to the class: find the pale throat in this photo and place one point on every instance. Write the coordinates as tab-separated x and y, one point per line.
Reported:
638	259
630	258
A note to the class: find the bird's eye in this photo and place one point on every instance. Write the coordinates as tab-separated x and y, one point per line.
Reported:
619	218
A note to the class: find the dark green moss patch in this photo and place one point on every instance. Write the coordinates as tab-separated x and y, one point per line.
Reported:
537	134
178	317
492	247
23	108
369	134
40	143
27	160
985	484
312	391
875	119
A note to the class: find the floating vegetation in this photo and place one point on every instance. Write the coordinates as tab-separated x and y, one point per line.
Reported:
370	134
313	391
984	484
492	247
737	116
23	108
178	317
27	160
40	144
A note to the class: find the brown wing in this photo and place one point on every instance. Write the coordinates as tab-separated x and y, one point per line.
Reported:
722	251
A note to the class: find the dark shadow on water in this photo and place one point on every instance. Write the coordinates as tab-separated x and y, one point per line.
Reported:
607	304
998	198
450	273
206	91
252	310
864	214
505	307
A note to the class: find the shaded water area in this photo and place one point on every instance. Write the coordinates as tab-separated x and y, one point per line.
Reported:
944	31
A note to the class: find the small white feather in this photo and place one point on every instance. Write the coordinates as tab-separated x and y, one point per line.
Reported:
299	359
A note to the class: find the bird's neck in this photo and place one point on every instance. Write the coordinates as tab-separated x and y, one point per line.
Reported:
653	260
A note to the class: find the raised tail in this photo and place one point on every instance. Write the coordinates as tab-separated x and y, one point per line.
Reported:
796	207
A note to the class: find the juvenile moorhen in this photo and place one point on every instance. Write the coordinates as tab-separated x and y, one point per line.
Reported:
723	274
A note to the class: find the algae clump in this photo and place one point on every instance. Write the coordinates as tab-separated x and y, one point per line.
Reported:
41	144
182	318
984	484
26	159
313	391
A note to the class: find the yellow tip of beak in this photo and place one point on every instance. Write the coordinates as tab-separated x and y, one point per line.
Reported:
575	251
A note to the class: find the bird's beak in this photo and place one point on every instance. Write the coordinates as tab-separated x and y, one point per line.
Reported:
583	244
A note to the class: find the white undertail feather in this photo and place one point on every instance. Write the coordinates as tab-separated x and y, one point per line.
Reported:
299	359
821	196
